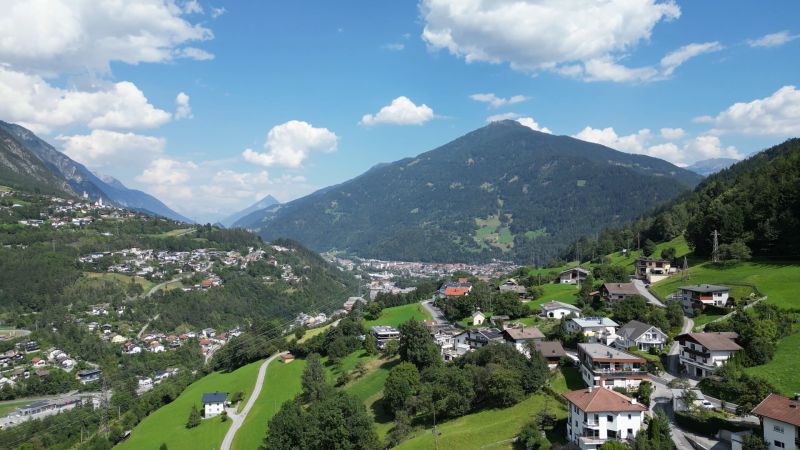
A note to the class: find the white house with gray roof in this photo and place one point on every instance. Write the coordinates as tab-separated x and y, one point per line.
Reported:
640	335
595	329
556	310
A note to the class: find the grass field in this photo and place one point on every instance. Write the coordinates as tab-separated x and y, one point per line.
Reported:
168	424
146	285
565	293
311	333
784	368
484	428
704	319
567	379
7	407
779	281
396	315
679	244
281	383
174	233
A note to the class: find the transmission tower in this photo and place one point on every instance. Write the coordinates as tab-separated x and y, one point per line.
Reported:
715	249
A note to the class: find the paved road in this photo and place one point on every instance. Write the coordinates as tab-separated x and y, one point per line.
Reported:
673	357
144	328
435	312
238	419
647	294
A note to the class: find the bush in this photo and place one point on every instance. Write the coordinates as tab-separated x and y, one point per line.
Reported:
711	424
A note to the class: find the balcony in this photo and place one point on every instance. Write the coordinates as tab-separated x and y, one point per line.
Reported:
590	440
591	424
696	352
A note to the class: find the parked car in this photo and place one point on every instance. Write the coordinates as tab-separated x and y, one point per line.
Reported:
707	404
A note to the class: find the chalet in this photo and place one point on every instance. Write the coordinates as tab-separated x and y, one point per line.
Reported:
511	285
699	296
478	318
599	415
522	337
552	351
460	289
286	358
614	292
556	310
703	353
38	362
604	366
479	337
384	334
214	403
574	275
89	375
595	329
653	270
780	419
640	335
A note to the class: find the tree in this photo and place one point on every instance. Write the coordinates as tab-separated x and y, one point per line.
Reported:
287	427
416	345
339	421
649	247
223	416
668	253
754	442
614	444
373	311
674	314
401	385
194	418
313	379
504	386
688	397
531	437
370	345
391	348
644	392
299	332
735	251
163	446
629	308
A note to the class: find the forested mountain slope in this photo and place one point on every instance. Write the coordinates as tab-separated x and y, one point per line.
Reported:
502	191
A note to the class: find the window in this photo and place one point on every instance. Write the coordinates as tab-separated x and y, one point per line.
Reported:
778	428
630	432
629	417
610	418
779	444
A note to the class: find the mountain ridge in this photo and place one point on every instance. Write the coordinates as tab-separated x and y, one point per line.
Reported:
265	202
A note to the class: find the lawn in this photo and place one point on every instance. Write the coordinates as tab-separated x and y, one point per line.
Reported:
565	293
168	424
396	315
174	233
481	429
778	280
783	370
311	333
7	407
567	379
281	383
146	285
679	244
703	319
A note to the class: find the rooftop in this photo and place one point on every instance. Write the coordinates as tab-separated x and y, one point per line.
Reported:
634	329
523	333
550	349
602	400
621	288
588	322
705	288
721	340
600	351
383	329
553	304
779	408
215	397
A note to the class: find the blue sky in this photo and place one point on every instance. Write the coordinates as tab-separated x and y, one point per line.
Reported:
210	105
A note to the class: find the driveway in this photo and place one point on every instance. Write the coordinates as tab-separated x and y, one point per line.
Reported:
673	357
435	312
238	419
647	294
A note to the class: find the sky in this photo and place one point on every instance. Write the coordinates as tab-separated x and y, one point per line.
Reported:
211	105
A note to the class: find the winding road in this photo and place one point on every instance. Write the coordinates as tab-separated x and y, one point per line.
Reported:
436	313
238	419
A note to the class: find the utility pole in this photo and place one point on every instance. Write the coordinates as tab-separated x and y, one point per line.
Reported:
435	433
685	271
715	250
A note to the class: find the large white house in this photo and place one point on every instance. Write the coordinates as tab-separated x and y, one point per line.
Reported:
780	418
214	403
556	310
699	296
653	270
640	335
604	366
573	275
597	415
594	329
703	353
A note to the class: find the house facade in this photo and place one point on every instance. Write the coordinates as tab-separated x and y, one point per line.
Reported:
479	337
522	337
614	292
214	403
511	285
641	335
597	415
699	296
384	334
703	353
552	351
574	275
456	289
557	310
604	366
653	270
780	419
594	329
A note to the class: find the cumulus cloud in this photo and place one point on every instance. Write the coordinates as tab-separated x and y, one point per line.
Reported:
776	115
54	36
402	111
103	149
533	125
168	177
31	101
182	108
632	143
291	143
672	133
192	7
501	117
773	39
495	102
707	146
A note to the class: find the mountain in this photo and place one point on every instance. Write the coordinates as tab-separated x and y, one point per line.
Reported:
20	168
708	166
265	202
502	191
79	179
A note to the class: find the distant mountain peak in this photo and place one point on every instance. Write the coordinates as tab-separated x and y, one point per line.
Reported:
712	165
265	202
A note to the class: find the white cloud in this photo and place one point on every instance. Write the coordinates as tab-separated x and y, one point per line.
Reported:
776	115
103	149
192	7
676	58
168	178
216	12
31	101
773	39
667	151
495	102
633	143
401	111
503	116
707	146
578	37
51	36
394	46
289	144
533	125
182	108
193	53
672	133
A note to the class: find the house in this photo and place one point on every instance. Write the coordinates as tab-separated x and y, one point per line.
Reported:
511	285
614	292
351	303
286	358
461	288
552	351
28	346
595	329
89	375
38	362
653	270
597	415
145	383
780	419
703	353
478	318
384	334
699	296
556	310
604	366
521	337
479	337
574	275
446	338
209	333
640	335
431	325
214	403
